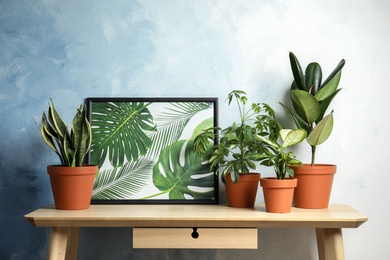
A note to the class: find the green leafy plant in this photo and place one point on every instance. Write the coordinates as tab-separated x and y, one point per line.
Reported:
276	155
311	98
71	146
238	149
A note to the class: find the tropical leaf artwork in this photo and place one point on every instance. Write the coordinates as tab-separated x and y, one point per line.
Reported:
180	172
143	148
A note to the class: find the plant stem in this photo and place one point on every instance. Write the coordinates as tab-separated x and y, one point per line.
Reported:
313	154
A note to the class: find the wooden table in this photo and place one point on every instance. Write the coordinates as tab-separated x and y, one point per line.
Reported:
194	226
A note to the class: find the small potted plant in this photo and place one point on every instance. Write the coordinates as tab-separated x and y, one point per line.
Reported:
71	181
311	98
278	192
237	151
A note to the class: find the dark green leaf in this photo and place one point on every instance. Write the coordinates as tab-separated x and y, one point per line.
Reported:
296	68
313	75
306	106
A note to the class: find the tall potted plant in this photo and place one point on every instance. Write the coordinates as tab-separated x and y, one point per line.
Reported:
71	181
311	98
237	151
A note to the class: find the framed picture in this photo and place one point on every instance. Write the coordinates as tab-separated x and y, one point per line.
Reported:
144	150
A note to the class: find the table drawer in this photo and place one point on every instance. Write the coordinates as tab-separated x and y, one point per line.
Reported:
231	238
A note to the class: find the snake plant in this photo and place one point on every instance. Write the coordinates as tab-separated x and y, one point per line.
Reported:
70	146
311	98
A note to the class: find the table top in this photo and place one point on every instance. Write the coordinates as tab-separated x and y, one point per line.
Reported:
335	216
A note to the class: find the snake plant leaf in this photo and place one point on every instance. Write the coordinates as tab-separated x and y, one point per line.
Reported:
292	137
328	89
49	135
313	75
56	120
80	135
297	71
306	105
122	183
120	131
322	131
181	172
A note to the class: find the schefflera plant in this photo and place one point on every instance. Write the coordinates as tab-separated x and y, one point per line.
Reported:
311	98
70	146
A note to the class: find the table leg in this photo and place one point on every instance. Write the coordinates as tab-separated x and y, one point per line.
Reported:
330	244
63	243
73	243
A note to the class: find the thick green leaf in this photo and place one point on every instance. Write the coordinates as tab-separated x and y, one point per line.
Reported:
297	119
328	89
56	121
322	131
336	70
81	135
49	134
306	106
325	104
181	172
292	137
313	75
297	71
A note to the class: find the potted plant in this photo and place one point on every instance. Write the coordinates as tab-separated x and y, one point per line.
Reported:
72	181
237	151
278	192
311	98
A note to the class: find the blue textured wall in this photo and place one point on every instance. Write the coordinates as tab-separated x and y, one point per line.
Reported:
70	50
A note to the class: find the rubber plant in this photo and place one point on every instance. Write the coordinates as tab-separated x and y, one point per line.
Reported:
237	149
311	98
70	146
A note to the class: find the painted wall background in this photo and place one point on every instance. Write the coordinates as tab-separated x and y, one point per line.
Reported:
70	50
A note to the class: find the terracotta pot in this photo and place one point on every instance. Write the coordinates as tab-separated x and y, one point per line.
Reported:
314	185
243	193
278	194
72	186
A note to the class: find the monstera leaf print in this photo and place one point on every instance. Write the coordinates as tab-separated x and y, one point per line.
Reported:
179	172
119	130
122	182
129	138
171	123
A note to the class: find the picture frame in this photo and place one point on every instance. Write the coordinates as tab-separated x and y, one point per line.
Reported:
143	147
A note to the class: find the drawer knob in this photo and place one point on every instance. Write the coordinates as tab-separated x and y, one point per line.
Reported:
195	233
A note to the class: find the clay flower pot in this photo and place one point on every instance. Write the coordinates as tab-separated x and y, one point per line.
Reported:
72	186
314	185
278	194
243	193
